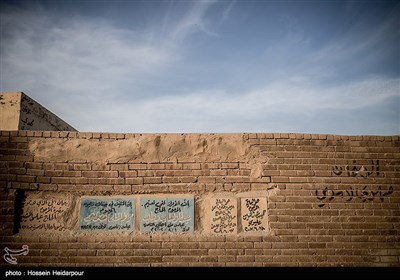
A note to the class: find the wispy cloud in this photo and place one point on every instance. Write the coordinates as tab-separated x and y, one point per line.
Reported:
305	105
227	11
194	21
85	58
360	50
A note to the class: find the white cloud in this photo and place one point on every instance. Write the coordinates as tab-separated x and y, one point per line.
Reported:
282	106
76	54
81	54
77	61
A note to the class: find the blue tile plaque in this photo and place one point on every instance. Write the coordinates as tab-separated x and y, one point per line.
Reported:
167	214
109	214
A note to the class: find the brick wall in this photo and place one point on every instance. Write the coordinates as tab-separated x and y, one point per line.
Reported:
332	200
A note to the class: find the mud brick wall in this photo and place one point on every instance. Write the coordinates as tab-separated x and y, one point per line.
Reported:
268	199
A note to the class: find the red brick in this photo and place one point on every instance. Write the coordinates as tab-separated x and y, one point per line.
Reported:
191	166
119	167
82	166
98	181
206	180
229	165
27	179
173	166
211	259
137	166
60	180
79	180
170	179
226	258
128	174
134	181
115	181
208	165
69	173
183	173
188	179
245	258
155	166
216	252
122	188
152	180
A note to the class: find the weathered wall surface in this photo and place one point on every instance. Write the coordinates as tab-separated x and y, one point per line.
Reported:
20	112
88	199
9	111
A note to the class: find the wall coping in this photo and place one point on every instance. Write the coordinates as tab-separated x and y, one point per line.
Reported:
122	136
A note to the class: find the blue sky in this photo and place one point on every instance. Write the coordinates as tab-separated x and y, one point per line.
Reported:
208	66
